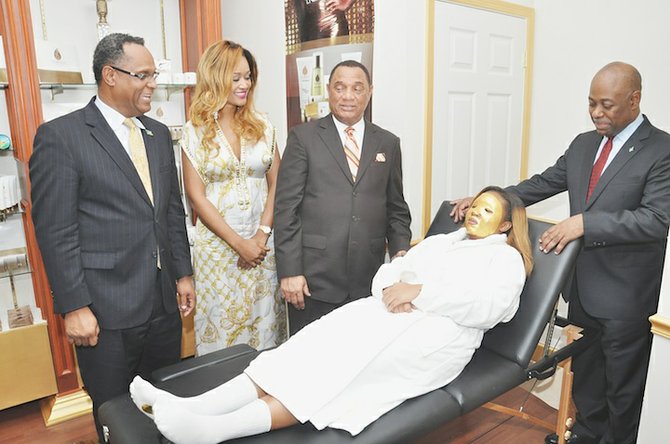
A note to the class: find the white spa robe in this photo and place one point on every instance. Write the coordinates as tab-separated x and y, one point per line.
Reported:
356	363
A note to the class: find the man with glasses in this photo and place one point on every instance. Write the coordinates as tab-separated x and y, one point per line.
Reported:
110	225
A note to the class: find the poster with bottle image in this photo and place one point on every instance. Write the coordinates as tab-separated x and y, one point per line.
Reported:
319	35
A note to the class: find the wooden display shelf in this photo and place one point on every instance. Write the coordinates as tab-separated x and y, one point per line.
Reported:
26	366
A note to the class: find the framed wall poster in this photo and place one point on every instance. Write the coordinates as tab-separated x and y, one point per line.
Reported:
319	35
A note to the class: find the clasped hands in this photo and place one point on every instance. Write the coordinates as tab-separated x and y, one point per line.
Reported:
252	251
399	296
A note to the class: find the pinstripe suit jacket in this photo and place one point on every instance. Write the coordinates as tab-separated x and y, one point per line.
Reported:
96	227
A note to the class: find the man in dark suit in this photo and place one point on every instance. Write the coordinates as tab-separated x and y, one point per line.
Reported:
618	182
337	205
110	225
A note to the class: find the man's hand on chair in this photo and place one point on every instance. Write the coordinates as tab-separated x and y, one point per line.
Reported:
558	236
460	207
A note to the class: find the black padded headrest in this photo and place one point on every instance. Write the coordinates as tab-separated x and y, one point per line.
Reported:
443	223
516	340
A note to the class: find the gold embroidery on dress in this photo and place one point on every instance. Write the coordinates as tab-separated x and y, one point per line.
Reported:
234	306
243	199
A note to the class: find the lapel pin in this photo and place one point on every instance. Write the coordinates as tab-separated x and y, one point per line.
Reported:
630	150
149	133
380	157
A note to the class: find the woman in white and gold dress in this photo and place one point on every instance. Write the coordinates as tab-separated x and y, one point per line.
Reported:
230	163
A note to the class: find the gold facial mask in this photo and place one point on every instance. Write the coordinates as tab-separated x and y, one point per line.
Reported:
484	216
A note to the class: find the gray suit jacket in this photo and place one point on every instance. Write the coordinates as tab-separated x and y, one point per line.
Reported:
329	228
96	227
618	272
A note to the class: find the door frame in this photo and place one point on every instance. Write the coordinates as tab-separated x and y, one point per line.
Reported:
499	7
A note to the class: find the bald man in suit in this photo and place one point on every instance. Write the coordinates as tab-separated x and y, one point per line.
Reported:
111	228
339	202
618	182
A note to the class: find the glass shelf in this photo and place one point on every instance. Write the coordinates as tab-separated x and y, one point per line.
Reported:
59	88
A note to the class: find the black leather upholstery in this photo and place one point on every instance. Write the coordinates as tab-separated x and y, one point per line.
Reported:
499	365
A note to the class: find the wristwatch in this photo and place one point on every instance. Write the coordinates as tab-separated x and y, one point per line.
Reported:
265	229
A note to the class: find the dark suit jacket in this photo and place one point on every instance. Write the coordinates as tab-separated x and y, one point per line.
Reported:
328	228
618	272
96	227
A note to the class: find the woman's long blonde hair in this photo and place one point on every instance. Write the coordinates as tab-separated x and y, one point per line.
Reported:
517	235
215	81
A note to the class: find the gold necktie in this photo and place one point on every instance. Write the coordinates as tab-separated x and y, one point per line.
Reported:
138	154
351	151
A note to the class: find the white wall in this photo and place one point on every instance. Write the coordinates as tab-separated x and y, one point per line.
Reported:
573	39
264	36
73	22
71	25
398	100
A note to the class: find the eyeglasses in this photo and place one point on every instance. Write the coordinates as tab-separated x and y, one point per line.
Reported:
138	75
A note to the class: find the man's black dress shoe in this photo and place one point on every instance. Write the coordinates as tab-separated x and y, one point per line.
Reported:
552	438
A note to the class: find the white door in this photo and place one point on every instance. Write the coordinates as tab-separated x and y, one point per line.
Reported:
478	100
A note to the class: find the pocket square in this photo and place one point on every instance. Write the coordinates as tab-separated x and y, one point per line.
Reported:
380	157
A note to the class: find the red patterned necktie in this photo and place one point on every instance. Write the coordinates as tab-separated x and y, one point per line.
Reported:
598	167
351	151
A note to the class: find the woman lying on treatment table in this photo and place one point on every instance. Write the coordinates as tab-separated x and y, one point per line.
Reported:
426	317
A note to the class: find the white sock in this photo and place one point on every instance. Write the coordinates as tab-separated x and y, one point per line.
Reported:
182	426
225	398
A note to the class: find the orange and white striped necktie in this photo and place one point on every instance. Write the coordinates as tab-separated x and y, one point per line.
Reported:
351	151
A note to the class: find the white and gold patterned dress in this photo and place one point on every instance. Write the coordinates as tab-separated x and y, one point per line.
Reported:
234	306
